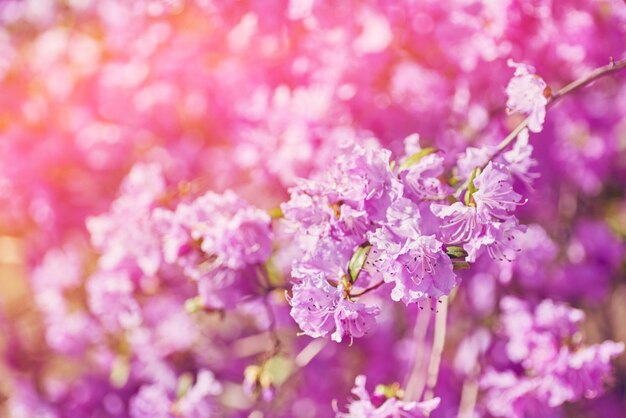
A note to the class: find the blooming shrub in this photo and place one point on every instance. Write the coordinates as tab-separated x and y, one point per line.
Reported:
254	208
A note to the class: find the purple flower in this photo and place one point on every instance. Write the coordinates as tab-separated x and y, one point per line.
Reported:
519	159
526	94
236	233
495	197
313	304
421	179
366	407
152	401
356	193
321	309
223	288
126	233
459	223
556	366
353	319
499	240
417	264
157	401
217	239
471	158
110	297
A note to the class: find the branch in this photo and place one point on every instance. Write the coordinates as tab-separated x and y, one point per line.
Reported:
369	289
610	68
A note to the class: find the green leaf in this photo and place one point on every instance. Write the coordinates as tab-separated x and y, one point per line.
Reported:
415	158
456	252
273	274
460	265
471	188
358	261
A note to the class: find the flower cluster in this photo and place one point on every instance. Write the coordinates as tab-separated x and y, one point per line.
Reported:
219	241
368	406
550	364
393	220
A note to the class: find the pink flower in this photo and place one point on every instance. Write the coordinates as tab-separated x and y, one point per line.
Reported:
526	92
158	401
495	197
459	223
365	407
417	264
125	235
551	364
110	297
321	309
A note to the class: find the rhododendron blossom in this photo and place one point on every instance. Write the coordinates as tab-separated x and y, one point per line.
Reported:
527	95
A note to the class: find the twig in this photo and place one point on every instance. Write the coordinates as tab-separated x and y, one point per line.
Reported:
369	289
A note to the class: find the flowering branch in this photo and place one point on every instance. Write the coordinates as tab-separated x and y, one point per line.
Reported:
612	67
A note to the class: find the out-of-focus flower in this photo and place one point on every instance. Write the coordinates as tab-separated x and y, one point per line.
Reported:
556	366
367	406
527	95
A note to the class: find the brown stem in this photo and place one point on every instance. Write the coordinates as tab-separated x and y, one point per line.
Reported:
369	289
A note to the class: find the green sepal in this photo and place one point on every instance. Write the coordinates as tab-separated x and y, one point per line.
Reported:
456	252
460	265
471	188
415	158
358	261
